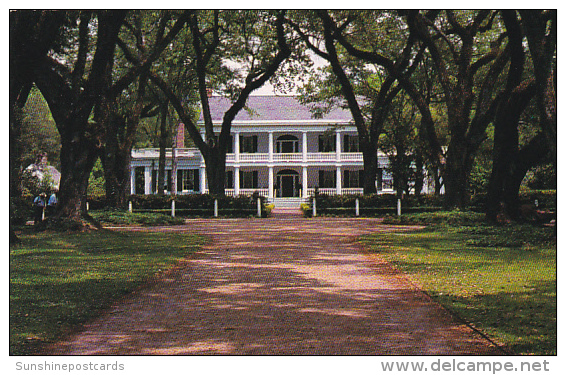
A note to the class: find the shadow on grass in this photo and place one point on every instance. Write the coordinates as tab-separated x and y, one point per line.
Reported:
527	320
502	280
44	313
61	280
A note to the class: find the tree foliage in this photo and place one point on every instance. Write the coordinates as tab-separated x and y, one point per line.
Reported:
469	93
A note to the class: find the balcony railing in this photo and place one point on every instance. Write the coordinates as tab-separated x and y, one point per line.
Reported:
297	157
154	153
246	192
256	157
334	191
310	191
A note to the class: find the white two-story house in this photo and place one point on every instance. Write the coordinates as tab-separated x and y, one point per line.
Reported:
277	150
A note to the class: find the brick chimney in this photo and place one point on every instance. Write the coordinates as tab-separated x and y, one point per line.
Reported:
180	141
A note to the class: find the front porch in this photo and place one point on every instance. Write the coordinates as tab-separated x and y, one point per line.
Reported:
293	181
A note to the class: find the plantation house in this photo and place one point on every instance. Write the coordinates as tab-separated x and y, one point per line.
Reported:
277	150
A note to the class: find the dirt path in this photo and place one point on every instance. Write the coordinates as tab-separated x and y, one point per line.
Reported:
279	286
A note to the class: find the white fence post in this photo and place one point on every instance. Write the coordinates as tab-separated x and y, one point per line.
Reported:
87	207
173	208
314	207
130	206
357	207
216	208
258	207
398	207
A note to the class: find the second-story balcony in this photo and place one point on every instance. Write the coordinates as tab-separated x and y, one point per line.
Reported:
260	158
311	157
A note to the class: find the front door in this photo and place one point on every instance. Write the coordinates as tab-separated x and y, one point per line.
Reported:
288	186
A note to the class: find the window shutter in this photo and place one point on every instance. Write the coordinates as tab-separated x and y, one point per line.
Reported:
230	146
154	181
180	173
254	143
229	179
255	177
196	179
347	179
346	143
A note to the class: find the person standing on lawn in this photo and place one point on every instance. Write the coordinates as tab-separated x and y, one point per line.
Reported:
52	203
39	207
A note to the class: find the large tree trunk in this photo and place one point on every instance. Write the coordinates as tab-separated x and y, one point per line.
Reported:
117	175
120	135
215	161
72	107
457	175
369	151
505	148
78	155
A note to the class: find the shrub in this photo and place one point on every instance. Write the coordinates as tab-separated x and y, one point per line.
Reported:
97	202
307	210
456	218
118	217
546	198
21	209
373	205
201	204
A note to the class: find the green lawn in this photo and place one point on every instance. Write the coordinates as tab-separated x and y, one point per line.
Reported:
61	280
500	279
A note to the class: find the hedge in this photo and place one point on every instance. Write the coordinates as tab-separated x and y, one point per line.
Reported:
199	204
371	205
546	199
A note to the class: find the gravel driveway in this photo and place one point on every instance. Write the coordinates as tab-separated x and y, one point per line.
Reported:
279	286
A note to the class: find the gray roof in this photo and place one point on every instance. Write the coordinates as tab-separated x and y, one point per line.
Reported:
272	108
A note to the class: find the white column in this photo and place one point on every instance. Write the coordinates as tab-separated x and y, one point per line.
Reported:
270	147
147	178
305	147
305	181
202	179
270	183
236	181
236	147
339	180
132	180
338	145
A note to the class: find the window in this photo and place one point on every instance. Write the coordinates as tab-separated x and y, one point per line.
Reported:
351	143
140	181
327	143
326	179
248	144
248	179
287	144
353	179
387	179
188	180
